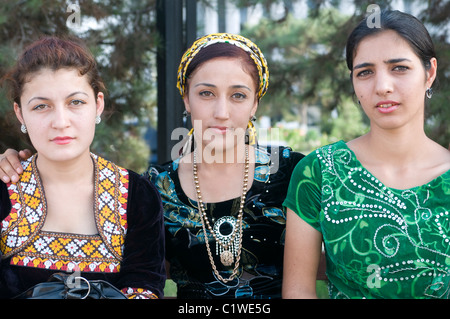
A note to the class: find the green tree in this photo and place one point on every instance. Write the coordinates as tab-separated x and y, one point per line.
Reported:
123	37
307	63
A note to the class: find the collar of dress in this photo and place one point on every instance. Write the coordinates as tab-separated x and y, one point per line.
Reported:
29	208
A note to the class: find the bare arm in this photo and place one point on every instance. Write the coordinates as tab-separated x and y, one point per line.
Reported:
301	258
10	167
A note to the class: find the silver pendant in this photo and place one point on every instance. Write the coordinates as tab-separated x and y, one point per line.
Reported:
227	245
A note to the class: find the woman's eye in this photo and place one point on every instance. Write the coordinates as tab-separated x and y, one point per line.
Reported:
401	68
40	107
239	96
77	102
206	93
363	73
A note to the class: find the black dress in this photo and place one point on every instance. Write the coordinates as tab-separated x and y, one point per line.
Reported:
264	220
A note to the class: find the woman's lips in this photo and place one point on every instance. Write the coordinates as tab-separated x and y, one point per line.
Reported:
219	129
387	106
62	140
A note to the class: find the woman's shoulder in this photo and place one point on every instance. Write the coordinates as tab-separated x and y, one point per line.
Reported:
165	178
332	147
439	164
155	171
280	155
441	156
315	161
324	152
138	178
128	178
282	151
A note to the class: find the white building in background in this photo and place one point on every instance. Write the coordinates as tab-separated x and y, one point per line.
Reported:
224	16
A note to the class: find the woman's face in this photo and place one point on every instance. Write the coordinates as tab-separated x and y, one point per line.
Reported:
221	99
390	80
59	110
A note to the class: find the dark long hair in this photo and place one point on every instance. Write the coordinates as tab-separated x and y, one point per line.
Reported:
405	25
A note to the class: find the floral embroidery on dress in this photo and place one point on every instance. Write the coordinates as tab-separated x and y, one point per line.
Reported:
263	226
138	293
23	239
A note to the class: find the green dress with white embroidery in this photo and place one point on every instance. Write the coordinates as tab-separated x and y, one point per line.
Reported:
380	242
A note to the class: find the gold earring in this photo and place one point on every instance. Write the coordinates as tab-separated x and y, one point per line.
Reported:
251	131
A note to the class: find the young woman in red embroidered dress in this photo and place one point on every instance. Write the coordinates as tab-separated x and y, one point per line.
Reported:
72	211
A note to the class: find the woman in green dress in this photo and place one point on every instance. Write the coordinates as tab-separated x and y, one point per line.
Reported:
379	203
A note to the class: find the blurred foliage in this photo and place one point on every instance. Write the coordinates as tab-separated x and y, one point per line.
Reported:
344	124
306	59
122	35
305	56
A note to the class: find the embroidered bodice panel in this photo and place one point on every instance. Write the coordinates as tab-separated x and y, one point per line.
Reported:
23	239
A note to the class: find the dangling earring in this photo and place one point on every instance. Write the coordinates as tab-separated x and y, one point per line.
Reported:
185	116
23	128
251	131
98	119
429	93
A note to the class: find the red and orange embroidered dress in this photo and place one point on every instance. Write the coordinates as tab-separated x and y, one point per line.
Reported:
128	250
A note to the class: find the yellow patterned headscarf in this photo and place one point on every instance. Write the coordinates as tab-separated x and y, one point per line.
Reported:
237	40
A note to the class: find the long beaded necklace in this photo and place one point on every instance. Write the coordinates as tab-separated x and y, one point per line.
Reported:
227	246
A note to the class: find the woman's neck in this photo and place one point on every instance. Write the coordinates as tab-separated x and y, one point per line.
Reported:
79	169
398	147
69	194
221	158
219	181
401	161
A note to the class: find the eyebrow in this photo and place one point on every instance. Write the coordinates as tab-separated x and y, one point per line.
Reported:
391	61
47	99
237	86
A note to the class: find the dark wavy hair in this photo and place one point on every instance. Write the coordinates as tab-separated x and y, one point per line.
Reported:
54	53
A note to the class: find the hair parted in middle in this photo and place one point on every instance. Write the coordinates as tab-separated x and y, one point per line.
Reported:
224	45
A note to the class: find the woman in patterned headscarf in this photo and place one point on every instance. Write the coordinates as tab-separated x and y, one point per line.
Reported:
223	197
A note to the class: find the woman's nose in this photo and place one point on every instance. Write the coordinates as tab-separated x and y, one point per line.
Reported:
60	118
221	109
384	84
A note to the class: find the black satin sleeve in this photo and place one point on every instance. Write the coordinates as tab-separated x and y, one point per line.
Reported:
143	263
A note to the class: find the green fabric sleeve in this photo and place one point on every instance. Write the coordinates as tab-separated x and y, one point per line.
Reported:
304	192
